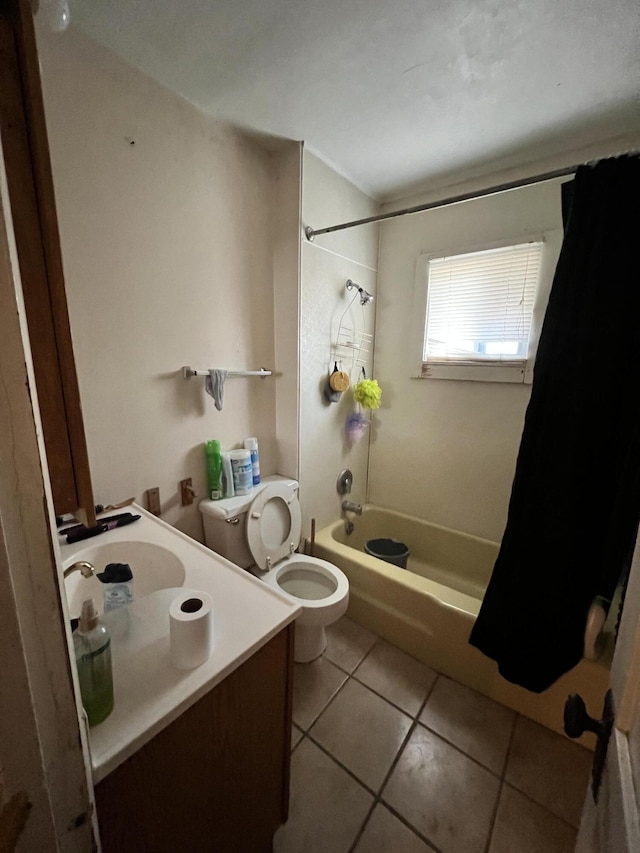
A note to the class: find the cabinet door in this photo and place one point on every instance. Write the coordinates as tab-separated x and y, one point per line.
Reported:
216	780
26	154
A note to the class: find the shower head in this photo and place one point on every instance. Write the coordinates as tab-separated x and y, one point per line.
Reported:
365	296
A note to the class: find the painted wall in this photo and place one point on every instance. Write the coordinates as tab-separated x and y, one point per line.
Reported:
327	263
286	293
446	450
166	229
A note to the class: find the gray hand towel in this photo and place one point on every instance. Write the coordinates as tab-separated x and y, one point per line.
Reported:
214	384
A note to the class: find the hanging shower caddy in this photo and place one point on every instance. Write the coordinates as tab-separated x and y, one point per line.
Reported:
351	346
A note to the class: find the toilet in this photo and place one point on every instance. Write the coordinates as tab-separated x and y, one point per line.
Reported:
260	532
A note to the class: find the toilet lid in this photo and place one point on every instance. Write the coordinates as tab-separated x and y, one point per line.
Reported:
273	525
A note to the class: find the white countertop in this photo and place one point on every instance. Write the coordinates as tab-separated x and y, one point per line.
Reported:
149	692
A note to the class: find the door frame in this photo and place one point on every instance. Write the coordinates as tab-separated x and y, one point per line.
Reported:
616	817
45	759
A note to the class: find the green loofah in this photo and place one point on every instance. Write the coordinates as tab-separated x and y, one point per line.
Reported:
368	393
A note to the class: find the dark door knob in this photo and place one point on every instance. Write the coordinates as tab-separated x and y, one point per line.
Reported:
576	719
577	722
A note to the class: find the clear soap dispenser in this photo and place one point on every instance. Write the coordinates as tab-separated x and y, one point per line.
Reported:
92	645
118	585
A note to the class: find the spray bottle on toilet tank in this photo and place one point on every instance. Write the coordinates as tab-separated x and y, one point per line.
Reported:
251	444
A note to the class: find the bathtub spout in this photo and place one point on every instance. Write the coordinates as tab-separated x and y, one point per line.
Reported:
351	506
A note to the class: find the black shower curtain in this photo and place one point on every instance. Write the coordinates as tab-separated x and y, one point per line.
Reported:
575	500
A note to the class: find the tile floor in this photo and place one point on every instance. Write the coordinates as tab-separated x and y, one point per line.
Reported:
390	757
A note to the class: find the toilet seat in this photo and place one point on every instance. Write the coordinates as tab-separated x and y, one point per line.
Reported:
274	523
331	583
303	569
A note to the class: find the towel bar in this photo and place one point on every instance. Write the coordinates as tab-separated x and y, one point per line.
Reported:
188	372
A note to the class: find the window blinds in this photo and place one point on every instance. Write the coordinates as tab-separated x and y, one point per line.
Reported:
480	304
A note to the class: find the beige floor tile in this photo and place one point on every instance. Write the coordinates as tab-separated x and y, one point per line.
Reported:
473	723
384	833
327	806
524	826
362	731
397	676
296	735
446	796
550	769
313	686
348	643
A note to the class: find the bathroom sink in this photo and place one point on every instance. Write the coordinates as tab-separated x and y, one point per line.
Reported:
154	567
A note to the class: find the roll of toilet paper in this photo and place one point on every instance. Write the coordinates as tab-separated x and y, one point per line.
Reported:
191	629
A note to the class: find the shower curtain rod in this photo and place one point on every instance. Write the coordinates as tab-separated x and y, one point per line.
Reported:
310	232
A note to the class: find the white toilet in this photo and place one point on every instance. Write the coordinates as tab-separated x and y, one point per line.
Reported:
260	532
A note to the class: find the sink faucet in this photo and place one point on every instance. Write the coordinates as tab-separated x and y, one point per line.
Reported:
86	569
351	506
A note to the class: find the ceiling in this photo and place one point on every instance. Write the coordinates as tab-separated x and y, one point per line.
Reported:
394	94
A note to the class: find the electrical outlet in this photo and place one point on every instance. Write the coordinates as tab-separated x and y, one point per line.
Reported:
187	493
153	501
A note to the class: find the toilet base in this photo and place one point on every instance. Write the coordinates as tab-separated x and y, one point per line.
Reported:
309	643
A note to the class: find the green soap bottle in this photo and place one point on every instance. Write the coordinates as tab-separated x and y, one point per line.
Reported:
92	645
214	469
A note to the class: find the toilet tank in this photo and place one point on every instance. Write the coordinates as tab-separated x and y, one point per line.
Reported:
225	522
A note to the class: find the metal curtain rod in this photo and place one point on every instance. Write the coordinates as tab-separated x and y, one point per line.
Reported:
454	199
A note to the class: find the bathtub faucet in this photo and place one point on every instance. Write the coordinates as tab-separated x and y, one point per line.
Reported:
351	506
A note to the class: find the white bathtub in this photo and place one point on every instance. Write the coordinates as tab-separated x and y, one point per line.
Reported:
428	609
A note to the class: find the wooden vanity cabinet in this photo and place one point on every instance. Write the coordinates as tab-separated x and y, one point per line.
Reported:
216	780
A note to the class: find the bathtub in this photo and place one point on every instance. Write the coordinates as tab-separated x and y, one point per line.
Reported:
428	608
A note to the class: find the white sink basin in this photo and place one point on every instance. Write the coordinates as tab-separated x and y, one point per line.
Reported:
153	566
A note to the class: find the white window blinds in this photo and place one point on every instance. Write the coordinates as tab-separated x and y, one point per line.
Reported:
480	305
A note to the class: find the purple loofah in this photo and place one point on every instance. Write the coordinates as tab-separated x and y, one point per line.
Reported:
356	426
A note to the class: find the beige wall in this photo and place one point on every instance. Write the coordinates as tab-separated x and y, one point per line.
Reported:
286	292
166	230
327	263
446	450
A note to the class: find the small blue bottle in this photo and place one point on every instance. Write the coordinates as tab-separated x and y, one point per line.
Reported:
251	444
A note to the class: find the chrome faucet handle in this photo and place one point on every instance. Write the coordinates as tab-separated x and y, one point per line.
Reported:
344	483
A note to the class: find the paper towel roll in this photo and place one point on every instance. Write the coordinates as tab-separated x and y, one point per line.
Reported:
191	629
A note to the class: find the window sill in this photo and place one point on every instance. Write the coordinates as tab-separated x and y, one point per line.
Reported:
518	373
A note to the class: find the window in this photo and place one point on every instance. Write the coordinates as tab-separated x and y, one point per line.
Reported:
481	311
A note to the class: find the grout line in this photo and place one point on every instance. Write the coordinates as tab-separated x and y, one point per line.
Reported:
403	820
460	750
387	700
367	653
540	806
341	765
357	666
494	816
509	745
324	707
492	822
378	795
362	828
